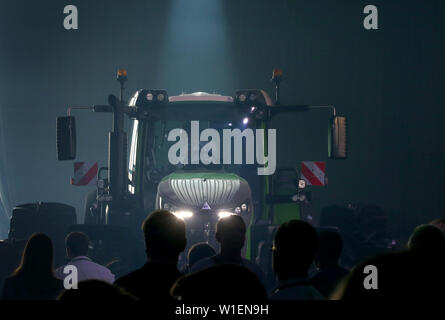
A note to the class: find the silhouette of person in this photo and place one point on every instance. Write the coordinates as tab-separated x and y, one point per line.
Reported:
330	273
93	290
197	252
416	273
294	250
77	249
164	240
426	236
34	278
230	234
219	284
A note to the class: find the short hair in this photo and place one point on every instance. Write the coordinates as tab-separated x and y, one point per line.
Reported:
164	233
199	251
78	243
426	236
226	223
296	242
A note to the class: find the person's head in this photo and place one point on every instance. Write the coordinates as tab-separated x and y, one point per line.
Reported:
231	232
37	257
218	284
389	273
164	236
199	251
92	290
76	244
295	247
439	223
426	236
329	248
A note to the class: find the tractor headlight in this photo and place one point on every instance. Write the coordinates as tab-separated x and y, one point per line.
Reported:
224	214
244	207
150	97
183	214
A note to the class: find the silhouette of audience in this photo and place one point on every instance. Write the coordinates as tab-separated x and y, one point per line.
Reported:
34	278
77	244
330	272
416	273
93	290
164	240
198	251
294	250
220	284
230	234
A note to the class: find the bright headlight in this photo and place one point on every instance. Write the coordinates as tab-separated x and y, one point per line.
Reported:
301	184
183	214
224	214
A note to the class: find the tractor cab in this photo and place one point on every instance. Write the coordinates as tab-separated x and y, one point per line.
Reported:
198	181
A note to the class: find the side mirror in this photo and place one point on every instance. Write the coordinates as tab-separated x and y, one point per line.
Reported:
66	138
337	138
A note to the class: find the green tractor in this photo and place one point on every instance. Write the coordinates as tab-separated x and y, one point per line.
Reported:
194	155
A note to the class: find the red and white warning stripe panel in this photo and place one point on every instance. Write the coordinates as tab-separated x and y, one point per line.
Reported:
85	174
313	172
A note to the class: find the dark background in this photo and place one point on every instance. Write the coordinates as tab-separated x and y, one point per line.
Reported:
389	82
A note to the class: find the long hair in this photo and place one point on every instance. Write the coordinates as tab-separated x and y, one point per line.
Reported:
37	258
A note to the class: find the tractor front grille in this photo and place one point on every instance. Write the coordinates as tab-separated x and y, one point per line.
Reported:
196	192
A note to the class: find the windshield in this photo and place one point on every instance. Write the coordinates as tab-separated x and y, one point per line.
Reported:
158	155
150	146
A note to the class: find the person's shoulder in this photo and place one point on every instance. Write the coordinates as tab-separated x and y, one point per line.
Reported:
10	287
132	277
252	266
10	280
99	266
